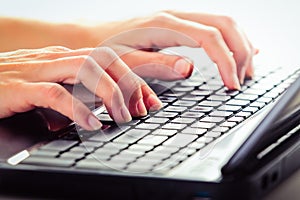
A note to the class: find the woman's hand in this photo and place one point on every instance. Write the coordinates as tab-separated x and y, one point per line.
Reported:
31	78
222	39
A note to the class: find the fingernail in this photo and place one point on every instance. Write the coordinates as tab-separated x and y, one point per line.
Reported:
141	108
242	79
94	123
236	83
125	114
154	102
182	67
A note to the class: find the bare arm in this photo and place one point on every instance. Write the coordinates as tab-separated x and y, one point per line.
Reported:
17	33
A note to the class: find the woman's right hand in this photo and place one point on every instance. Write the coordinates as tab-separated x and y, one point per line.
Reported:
32	78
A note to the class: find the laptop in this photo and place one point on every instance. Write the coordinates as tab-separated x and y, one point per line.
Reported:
205	143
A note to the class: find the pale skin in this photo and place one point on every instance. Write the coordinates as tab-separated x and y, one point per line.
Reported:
38	56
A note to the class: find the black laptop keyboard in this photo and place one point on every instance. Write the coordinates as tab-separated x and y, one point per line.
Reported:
196	112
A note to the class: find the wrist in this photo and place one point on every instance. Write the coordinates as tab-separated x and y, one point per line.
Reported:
75	36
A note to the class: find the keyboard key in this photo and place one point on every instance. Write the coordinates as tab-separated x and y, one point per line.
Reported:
164	132
100	156
189	83
178	109
196	145
237	102
82	149
127	156
140	167
210	103
112	146
157	120
252	91
184	103
143	161
199	92
257	104
147	126
194	131
72	155
250	97
183	120
229	124
166	114
213	134
92	163
264	100
203	109
174	126
167	99
105	117
140	147
105	151
204	125
152	140
91	144
205	140
132	136
218	98
235	119
226	92
212	119
165	150
192	114
210	87
44	153
133	122
109	134
193	98
221	129
250	109
229	108
220	113
180	140
47	161
59	145
174	94
182	89
243	114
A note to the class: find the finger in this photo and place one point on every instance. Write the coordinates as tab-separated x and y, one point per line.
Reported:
234	37
158	65
54	96
174	31
131	85
82	69
24	55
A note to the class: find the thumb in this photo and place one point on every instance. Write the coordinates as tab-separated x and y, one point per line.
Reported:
158	65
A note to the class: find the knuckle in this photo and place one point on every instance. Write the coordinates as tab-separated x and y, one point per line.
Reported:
227	21
213	34
85	61
157	19
114	88
106	55
53	91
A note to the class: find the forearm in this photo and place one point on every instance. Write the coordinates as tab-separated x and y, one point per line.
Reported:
23	33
